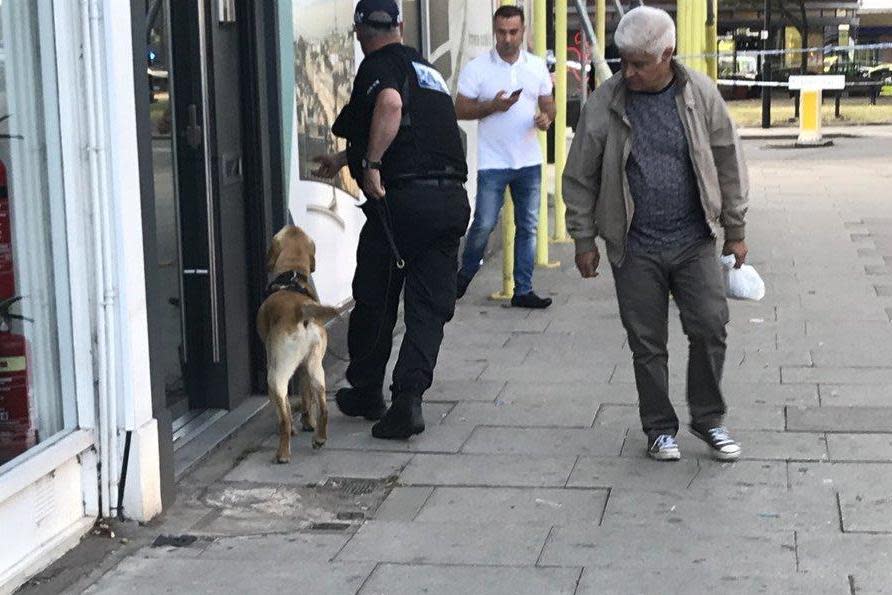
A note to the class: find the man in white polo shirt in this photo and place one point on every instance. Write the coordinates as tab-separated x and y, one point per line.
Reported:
509	91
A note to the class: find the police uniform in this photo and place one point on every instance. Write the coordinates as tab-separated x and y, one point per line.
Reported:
425	213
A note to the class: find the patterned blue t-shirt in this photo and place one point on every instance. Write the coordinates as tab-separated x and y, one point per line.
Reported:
668	212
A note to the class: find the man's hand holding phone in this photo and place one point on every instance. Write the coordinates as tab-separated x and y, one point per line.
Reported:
503	102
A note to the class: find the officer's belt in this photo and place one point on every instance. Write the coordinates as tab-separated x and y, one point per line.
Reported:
428	182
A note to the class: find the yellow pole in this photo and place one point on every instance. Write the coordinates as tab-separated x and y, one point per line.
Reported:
680	45
507	239
560	124
712	42
601	25
702	63
540	30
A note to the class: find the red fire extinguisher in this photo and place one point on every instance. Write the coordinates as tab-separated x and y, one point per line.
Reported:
18	430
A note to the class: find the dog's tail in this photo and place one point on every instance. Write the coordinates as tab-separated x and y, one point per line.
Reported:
321	314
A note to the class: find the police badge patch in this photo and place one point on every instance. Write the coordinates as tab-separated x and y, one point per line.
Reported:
430	78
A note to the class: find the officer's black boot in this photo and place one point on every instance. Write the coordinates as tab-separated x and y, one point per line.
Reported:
355	402
403	420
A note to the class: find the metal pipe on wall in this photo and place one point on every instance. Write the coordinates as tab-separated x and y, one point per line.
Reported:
602	70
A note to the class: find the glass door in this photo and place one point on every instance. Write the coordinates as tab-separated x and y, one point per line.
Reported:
191	355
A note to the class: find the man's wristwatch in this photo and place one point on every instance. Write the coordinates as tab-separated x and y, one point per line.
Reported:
366	164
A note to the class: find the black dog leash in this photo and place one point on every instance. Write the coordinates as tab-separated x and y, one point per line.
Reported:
381	207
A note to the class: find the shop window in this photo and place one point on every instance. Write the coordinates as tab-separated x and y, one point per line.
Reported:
37	400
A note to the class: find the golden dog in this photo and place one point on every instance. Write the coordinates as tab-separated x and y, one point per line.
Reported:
291	324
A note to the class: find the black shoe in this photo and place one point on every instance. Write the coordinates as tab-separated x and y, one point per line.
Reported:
724	448
530	300
356	403
402	421
463	282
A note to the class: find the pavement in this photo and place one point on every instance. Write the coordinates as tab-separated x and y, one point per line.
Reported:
531	477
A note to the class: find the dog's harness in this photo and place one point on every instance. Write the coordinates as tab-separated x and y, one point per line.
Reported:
290	281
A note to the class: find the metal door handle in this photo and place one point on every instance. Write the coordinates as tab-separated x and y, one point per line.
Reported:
194	130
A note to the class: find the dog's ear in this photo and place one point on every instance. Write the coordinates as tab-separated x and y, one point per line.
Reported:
312	257
272	255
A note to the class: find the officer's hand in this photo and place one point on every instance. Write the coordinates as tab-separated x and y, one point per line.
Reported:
587	263
329	165
738	249
503	102
542	121
372	184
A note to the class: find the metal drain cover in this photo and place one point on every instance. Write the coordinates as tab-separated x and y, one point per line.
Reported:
354	486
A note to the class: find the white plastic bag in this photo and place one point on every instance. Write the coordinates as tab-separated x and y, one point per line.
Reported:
743	283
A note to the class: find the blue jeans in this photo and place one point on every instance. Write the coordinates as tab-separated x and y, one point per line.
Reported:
525	186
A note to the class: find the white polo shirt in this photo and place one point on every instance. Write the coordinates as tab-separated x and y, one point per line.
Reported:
507	140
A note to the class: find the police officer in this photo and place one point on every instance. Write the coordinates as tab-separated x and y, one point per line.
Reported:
405	151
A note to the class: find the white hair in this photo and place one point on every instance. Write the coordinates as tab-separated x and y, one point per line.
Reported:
645	29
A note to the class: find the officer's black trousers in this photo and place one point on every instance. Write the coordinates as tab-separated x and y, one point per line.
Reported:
427	224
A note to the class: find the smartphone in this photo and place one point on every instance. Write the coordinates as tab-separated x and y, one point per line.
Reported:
515	94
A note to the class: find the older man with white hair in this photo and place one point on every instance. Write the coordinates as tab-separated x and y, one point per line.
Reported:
656	170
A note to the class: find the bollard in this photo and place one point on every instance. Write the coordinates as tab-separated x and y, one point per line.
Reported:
540	45
601	24
810	98
507	290
560	123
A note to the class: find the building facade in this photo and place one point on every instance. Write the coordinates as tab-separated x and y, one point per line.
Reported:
149	150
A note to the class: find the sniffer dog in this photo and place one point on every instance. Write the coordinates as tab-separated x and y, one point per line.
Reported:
291	324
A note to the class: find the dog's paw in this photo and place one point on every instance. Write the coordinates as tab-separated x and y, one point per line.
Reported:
317	444
283	459
306	424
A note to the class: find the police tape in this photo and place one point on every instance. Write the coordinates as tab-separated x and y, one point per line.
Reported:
745	83
823	49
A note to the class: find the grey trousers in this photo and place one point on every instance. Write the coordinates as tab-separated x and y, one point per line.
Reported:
693	275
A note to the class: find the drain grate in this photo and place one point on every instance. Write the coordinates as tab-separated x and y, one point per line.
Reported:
354	486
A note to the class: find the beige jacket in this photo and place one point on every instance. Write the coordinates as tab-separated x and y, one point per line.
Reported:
596	190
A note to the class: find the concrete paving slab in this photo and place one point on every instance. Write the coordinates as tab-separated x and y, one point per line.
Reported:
747	511
780	446
742	476
866	511
142	575
604	472
456	542
547	413
692	578
287	549
538	506
488	470
867	557
836	375
839	477
578	393
545	372
436	438
317	466
860	447
632	549
856	395
403	503
405	579
545	441
464	390
840	419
